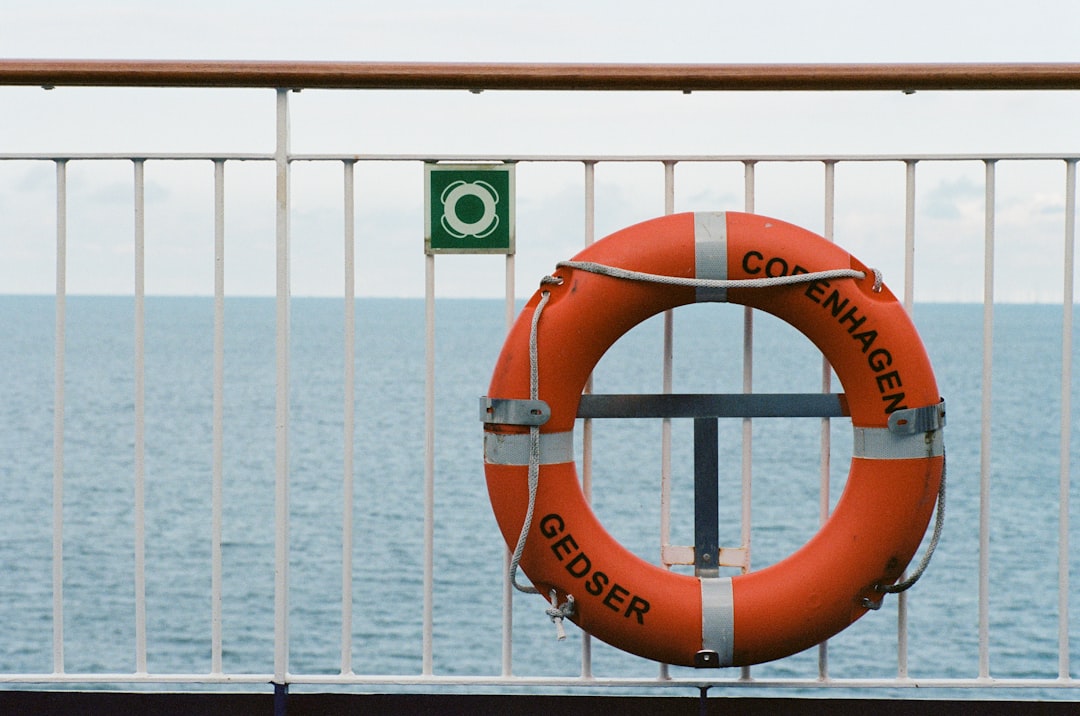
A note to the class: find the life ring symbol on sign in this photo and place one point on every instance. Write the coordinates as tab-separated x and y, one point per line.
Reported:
891	395
454	224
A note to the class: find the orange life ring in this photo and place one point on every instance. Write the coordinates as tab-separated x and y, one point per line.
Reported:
879	521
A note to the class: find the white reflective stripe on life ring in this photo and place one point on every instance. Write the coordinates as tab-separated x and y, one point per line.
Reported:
718	618
710	253
886	444
513	449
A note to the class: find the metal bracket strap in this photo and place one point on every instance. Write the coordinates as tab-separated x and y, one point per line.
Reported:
912	433
508	411
918	420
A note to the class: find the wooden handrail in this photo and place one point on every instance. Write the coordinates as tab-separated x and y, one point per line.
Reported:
520	76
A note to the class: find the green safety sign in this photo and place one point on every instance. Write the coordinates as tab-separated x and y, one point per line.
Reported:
469	208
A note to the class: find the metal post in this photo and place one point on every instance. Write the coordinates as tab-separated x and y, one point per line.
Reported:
349	416
706	497
140	419
667	373
748	382
587	425
825	463
429	465
281	418
909	304
909	235
281	699
218	450
58	419
1064	486
984	453
507	587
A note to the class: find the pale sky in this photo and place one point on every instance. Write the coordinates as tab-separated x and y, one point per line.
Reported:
869	197
558	30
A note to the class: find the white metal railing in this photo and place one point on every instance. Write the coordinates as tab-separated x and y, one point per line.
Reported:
346	672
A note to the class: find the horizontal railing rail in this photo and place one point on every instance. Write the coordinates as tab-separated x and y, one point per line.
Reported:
514	157
520	76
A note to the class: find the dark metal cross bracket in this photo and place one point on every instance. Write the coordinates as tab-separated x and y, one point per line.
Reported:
706	409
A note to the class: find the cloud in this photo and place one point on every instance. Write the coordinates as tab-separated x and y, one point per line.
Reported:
953	199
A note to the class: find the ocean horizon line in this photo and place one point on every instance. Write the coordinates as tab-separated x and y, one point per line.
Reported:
365	297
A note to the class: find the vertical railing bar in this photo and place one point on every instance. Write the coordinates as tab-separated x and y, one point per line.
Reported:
909	304
508	290
281	399
667	387
909	236
218	429
140	418
984	468
507	588
587	424
747	386
58	419
1066	419
429	462
825	465
590	237
348	418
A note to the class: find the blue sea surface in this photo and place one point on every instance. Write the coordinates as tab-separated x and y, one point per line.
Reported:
388	545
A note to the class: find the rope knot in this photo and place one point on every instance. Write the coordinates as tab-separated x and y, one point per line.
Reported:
558	612
877	280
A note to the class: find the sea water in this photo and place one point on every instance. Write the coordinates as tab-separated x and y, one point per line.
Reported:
99	467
